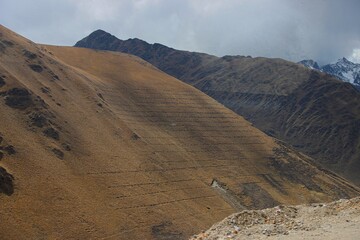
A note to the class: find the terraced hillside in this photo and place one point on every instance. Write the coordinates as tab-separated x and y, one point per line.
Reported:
315	113
102	145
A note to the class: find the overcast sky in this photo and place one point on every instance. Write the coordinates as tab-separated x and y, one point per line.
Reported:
324	30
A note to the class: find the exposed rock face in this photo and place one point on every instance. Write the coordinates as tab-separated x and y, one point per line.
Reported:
19	98
52	133
36	68
316	113
2	81
6	182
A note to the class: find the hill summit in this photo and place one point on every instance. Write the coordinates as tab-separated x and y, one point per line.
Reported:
313	111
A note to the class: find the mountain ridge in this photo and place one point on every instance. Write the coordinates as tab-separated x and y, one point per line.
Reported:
99	144
313	111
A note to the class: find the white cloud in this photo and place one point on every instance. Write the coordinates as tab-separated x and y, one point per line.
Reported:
355	56
323	30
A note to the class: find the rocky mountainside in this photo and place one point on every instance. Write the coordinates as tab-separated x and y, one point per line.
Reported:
103	145
342	69
314	112
336	220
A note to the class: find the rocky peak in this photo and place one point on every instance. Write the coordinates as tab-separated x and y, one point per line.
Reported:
98	39
345	61
310	64
343	69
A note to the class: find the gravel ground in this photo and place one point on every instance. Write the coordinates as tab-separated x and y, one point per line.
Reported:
336	220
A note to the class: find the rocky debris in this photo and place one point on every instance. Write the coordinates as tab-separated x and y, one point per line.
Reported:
230	196
29	55
36	68
45	90
2	81
66	147
18	98
4	148
43	119
4	44
282	162
2	47
40	102
135	137
10	150
52	133
58	153
101	96
7	43
53	75
283	220
6	182
38	119
166	231
255	197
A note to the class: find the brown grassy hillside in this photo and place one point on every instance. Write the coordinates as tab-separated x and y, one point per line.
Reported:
101	145
314	112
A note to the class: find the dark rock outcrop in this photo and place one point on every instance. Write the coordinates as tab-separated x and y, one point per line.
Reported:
36	68
6	182
58	153
52	133
29	55
38	119
18	98
2	81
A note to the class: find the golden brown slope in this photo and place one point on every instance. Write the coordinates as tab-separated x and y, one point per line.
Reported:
108	147
316	113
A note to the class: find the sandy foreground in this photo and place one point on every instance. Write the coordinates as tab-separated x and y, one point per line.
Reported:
336	220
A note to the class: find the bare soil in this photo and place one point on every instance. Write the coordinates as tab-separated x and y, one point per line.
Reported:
336	220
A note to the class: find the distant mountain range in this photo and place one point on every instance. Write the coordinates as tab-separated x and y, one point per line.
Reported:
315	112
342	69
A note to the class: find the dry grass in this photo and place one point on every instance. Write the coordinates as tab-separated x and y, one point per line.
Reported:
135	153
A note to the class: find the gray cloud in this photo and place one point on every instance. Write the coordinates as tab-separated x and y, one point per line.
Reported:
324	30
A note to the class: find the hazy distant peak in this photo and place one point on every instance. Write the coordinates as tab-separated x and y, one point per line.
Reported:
342	69
345	70
344	60
98	32
98	39
310	64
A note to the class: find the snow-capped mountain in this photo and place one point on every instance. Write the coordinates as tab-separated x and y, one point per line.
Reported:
345	70
342	69
310	64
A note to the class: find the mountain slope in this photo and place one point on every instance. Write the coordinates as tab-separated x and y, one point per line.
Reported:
101	145
315	112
